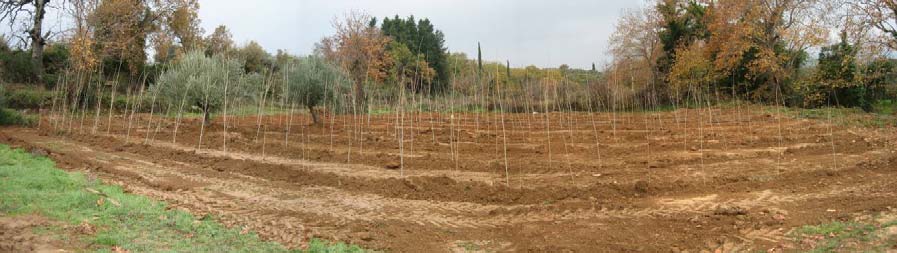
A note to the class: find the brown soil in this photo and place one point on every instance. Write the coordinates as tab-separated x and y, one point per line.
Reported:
16	235
691	179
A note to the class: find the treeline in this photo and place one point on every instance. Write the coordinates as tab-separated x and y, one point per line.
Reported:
671	53
106	52
385	58
128	41
776	52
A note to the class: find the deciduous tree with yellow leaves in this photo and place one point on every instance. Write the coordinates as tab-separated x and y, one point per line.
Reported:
360	49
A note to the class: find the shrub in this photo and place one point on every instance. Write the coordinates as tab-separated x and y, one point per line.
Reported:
12	117
4	49
4	43
17	67
9	116
28	98
56	57
840	80
125	103
879	75
3	94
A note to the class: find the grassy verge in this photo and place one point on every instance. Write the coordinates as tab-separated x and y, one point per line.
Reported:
886	106
840	116
872	234
32	185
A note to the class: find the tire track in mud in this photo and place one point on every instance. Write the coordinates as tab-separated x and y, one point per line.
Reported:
777	204
777	239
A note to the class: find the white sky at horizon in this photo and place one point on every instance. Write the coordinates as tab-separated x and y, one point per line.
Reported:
526	32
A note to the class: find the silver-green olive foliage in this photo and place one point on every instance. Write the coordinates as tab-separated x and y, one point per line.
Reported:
199	81
311	81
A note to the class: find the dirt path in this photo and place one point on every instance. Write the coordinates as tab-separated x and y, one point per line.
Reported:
744	193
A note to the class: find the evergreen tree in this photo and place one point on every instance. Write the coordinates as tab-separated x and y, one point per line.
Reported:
682	23
424	41
836	72
479	58
837	64
508	69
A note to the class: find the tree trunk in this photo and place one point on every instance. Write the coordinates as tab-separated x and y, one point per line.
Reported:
314	116
37	39
359	98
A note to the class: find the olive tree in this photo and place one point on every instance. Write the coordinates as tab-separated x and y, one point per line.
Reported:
311	80
200	81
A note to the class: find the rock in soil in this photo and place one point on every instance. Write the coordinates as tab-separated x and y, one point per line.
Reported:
641	186
38	152
729	210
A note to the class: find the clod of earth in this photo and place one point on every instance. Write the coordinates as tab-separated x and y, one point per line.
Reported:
730	210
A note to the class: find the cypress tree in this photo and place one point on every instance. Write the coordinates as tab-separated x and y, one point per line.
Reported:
422	39
480	57
508	69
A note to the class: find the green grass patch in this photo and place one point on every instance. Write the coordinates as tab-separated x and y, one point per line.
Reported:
321	246
32	185
853	117
247	110
850	236
469	246
381	111
886	107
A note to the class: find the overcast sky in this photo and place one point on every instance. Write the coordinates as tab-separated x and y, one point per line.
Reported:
545	33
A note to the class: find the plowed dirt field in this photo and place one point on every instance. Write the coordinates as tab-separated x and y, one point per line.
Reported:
690	179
